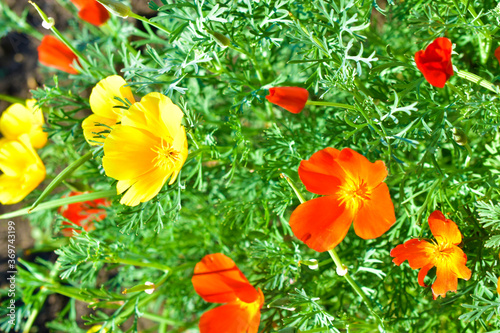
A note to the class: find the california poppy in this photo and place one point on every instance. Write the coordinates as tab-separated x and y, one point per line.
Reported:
353	190
91	11
444	254
107	104
21	167
83	214
19	119
292	99
217	279
53	53
497	54
148	148
435	62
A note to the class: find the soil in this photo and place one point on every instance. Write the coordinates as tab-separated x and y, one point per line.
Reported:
19	73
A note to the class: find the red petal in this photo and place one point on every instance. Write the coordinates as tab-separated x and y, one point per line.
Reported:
53	53
321	174
292	99
497	54
443	229
376	215
321	223
357	166
419	253
423	273
94	13
217	279
234	317
435	62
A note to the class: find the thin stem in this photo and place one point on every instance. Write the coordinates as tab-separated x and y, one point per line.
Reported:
12	99
154	24
138	263
478	80
294	188
337	105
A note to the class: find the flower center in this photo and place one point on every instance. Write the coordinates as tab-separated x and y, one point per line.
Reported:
354	193
443	251
166	157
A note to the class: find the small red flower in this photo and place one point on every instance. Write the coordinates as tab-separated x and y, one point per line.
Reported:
91	11
444	254
83	214
292	99
497	54
435	62
217	279
53	53
353	191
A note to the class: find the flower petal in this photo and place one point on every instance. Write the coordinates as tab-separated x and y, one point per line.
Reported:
292	99
103	100
321	174
419	253
128	152
435	62
443	229
321	223
94	13
376	215
97	128
144	187
54	53
423	273
446	281
358	167
497	54
180	144
232	318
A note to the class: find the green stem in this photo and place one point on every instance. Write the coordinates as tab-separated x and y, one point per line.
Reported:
484	41
12	99
60	202
138	263
340	265
337	105
478	80
160	319
60	177
154	24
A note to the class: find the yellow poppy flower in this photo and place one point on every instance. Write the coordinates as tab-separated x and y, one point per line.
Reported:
18	119
146	149
107	109
22	169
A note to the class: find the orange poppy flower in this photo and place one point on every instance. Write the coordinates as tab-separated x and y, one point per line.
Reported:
217	280
53	53
497	54
435	62
353	190
83	214
444	254
91	11
292	99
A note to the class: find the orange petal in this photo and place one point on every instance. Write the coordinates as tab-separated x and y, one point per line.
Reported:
358	167
419	253
53	53
446	281
497	54
423	273
94	13
376	215
292	99
498	286
321	174
443	229
321	223
232	318
217	279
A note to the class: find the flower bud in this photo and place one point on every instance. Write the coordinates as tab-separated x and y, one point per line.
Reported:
117	8
459	136
220	39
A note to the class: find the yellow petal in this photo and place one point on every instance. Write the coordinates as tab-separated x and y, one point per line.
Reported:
102	99
145	187
128	152
97	128
180	144
37	136
155	113
23	170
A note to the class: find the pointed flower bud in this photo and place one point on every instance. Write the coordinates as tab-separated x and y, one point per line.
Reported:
117	8
292	99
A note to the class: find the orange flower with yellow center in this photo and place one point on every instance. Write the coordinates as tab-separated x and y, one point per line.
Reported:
146	149
217	279
353	190
444	254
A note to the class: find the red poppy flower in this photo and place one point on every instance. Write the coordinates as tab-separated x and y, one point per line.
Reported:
353	190
83	214
448	258
497	54
292	99
435	62
91	11
53	53
217	280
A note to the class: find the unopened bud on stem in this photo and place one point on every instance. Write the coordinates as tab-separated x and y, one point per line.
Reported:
116	8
